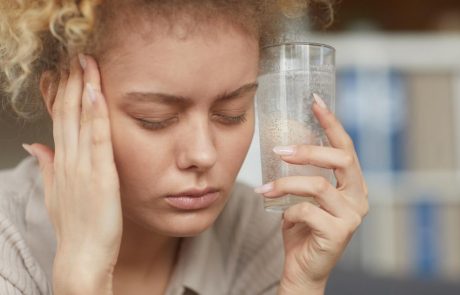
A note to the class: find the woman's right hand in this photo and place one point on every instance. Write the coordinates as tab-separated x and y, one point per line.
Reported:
81	184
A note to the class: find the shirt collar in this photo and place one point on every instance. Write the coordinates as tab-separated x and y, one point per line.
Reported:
200	267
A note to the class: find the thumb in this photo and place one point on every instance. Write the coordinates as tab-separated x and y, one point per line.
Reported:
45	157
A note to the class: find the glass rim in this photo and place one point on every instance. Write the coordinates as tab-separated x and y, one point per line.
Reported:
299	43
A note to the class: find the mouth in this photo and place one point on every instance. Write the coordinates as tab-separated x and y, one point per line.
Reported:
193	199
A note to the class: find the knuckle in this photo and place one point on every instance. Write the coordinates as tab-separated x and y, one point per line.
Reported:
305	153
322	185
365	209
99	139
355	222
348	142
348	160
279	185
305	209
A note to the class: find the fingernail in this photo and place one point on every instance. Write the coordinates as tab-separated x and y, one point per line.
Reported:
91	92
319	101
264	188
29	149
284	150
82	60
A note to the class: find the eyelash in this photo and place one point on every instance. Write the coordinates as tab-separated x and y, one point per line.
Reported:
155	125
228	120
233	120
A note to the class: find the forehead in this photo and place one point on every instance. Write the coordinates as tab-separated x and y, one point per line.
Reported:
203	63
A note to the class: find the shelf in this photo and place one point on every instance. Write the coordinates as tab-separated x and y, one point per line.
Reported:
407	51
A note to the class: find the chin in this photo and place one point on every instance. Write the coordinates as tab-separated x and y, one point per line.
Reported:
188	224
175	223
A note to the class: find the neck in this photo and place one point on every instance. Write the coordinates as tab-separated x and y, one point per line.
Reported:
145	251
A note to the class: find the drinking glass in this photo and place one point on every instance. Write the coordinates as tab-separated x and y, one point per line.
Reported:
290	74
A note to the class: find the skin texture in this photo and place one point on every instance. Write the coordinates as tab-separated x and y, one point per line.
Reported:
106	181
196	149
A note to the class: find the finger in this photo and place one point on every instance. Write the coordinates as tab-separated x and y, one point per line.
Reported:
45	158
103	160
334	130
84	145
71	109
314	217
98	141
344	163
332	234
91	73
57	126
319	156
317	187
351	177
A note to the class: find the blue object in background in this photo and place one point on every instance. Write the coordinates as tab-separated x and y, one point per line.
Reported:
371	103
426	239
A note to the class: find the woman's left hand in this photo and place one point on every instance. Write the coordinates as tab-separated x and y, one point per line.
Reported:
315	237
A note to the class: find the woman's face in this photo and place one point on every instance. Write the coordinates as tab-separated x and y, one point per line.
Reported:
182	118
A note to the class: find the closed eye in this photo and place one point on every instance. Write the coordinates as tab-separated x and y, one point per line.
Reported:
156	125
231	120
221	118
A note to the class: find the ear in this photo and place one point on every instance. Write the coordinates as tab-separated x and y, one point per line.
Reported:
48	89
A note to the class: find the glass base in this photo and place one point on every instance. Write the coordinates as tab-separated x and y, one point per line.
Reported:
278	205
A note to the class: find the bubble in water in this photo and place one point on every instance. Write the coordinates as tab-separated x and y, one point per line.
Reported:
284	102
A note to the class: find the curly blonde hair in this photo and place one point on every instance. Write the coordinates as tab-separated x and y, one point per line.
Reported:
42	35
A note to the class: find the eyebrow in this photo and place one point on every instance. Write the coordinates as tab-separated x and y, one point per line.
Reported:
174	99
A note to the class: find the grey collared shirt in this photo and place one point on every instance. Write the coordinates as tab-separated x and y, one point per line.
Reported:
241	253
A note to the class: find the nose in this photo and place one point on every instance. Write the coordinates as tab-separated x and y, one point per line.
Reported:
197	148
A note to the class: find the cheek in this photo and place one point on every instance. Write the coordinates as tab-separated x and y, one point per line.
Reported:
138	156
234	146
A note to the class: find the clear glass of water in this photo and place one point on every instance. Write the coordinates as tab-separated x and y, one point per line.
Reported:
289	76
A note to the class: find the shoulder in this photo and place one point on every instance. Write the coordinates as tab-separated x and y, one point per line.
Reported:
16	187
19	272
253	242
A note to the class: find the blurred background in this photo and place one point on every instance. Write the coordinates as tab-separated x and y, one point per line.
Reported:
398	95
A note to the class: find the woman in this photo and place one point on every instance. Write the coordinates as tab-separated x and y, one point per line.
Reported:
151	126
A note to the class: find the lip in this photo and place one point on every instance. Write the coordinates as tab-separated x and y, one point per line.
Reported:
193	199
